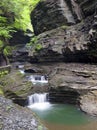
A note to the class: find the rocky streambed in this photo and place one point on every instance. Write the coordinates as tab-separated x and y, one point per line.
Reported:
71	83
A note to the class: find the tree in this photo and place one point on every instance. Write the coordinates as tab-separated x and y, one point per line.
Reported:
14	14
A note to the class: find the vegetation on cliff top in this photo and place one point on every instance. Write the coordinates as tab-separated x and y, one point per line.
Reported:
14	14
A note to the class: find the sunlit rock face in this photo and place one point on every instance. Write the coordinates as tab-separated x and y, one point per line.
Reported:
51	14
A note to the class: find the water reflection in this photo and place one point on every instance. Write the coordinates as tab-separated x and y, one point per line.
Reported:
63	114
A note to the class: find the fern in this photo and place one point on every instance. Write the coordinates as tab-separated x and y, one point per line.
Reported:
14	14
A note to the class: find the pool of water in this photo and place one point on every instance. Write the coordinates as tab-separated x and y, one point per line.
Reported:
65	117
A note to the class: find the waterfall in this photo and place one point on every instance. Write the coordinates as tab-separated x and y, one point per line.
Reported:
37	98
38	79
38	101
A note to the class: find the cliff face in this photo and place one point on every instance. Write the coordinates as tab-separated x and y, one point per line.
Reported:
65	27
69	34
87	6
51	14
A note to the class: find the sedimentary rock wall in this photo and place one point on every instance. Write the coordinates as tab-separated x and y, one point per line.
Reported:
88	6
51	14
65	26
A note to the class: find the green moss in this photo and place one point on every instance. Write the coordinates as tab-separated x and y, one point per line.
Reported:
16	83
1	91
64	27
26	87
7	51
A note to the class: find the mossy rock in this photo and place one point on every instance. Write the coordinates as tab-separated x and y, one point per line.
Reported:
1	91
17	84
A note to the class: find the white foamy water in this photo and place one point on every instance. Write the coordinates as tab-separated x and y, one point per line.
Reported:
22	71
38	101
38	79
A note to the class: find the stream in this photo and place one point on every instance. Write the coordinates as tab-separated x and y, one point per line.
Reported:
60	116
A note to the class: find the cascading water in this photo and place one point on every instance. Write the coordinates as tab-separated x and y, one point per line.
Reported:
38	79
38	101
37	98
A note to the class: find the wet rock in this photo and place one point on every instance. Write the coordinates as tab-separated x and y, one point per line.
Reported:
30	71
75	83
64	95
88	102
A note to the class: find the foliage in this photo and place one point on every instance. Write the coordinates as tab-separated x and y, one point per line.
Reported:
1	44
38	47
2	73
7	50
14	14
34	45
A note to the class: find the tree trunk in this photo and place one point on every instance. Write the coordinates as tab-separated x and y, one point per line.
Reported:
3	60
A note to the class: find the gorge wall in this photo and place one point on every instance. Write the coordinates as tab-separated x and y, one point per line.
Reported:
63	29
67	31
50	14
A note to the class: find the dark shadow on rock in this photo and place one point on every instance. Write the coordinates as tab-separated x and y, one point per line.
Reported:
30	71
16	99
